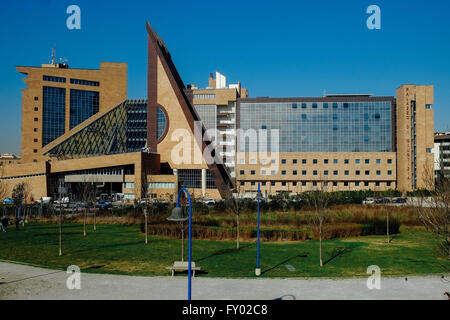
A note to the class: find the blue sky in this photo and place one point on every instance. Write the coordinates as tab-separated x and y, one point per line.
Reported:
275	48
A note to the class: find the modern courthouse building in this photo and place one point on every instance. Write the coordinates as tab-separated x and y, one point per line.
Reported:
79	127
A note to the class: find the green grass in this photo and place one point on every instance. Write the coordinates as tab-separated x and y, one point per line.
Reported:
120	249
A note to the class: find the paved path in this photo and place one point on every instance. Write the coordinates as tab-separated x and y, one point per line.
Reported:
26	282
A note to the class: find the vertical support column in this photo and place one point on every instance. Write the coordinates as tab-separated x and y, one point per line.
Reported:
203	183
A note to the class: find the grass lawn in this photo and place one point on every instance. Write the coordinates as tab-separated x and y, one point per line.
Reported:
121	249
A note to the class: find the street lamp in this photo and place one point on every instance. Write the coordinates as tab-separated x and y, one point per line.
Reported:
177	212
258	198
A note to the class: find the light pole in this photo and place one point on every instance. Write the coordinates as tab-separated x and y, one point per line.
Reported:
258	269
176	212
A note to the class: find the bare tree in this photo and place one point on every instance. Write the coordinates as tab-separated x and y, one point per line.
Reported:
319	199
434	210
233	204
87	191
60	232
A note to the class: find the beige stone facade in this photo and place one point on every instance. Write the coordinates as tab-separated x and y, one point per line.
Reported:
415	137
112	88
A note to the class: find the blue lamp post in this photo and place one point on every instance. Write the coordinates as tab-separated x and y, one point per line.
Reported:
258	198
190	235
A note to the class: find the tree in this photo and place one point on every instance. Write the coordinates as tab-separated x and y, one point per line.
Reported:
434	211
234	205
88	193
319	200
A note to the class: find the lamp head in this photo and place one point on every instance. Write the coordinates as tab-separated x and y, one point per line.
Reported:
177	215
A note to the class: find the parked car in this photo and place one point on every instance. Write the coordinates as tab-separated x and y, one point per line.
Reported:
209	202
368	201
382	200
8	201
104	204
399	200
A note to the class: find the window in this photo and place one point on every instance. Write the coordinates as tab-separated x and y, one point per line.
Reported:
264	127
314	184
335	161
303	172
367	172
204	96
357	172
303	105
303	116
346	172
241	172
35	140
315	172
335	183
272	172
346	184
366	184
283	184
377	184
263	172
325	172
325	161
378	173
35	129
36	119
428	150
272	183
85	82
367	161
294	161
314	105
53	79
346	161
325	105
335	172
36	98
252	172
303	161
335	105
83	105
36	109
389	161
129	185
378	161
388	184
263	183
357	161
283	172
53	113
294	184
356	184
335	116
242	183
35	150
283	161
294	172
253	183
303	183
294	106
314	161
161	185
345	105
389	172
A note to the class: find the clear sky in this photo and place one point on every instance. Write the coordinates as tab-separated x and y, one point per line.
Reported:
275	48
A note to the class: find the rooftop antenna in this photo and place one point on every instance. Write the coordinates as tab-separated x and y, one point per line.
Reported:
53	56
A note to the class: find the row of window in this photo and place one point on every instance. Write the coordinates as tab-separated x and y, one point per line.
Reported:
315	183
54	79
204	96
315	172
161	185
21	177
315	161
85	82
